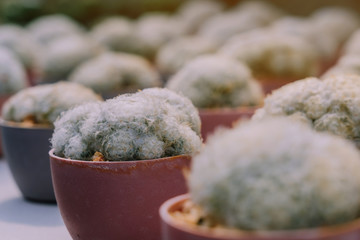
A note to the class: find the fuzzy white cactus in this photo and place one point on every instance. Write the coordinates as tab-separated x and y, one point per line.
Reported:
157	29
330	105
339	23
269	53
63	55
12	73
216	81
17	40
116	73
48	28
118	34
43	104
174	55
352	46
196	12
145	125
276	174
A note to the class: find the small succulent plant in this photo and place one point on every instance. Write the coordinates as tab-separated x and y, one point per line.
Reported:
149	124
48	28
43	104
347	64
19	42
269	53
64	54
215	81
118	34
276	174
330	105
116	73
174	55
12	73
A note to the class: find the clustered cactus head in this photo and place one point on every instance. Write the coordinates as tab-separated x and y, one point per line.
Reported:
48	28
330	105
148	124
118	34
12	73
276	174
19	42
216	81
174	55
116	72
270	53
64	54
43	104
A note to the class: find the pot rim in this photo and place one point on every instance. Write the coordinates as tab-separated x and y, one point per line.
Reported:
12	124
146	161
233	234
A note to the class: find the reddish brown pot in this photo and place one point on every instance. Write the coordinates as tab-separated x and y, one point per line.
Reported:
175	230
225	117
3	99
116	200
272	83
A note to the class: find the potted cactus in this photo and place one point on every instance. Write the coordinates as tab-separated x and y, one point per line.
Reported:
27	126
114	163
275	58
271	186
111	74
12	78
222	88
329	105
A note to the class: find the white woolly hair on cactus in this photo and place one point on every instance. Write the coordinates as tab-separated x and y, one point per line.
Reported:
42	104
328	105
276	174
12	73
212	81
149	124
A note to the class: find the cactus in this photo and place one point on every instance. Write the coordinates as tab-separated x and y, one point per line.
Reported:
64	54
43	104
12	73
116	72
270	53
118	34
174	55
48	28
216	81
347	64
329	105
148	124
276	174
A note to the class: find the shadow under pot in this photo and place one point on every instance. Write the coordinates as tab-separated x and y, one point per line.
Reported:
116	200
3	99
225	117
26	151
174	228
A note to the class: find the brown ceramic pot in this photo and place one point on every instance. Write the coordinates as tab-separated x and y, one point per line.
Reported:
172	229
3	99
116	200
272	83
225	117
26	151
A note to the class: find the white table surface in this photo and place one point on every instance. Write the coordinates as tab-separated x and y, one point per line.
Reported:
20	219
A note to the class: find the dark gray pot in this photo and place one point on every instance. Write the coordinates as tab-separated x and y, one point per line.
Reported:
26	151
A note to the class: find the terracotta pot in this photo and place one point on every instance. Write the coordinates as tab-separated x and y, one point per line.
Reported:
225	117
172	229
26	150
3	99
272	83
115	200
